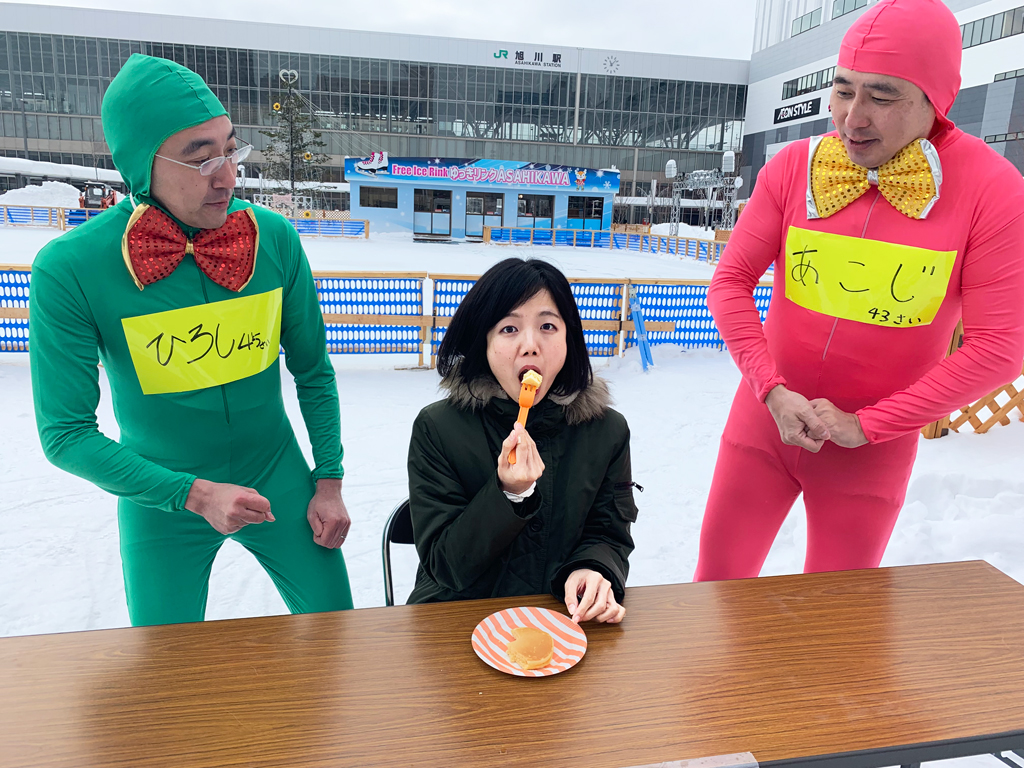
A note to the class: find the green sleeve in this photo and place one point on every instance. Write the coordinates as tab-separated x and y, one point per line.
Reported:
64	359
305	353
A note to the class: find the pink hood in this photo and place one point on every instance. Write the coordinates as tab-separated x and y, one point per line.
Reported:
915	40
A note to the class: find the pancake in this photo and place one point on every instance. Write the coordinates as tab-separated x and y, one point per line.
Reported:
531	649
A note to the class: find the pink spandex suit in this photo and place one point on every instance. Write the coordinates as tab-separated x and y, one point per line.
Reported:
894	378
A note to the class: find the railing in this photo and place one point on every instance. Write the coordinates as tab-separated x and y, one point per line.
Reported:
684	247
332	228
69	218
373	312
14	285
30	216
387	312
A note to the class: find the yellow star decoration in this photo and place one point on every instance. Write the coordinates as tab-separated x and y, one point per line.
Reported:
906	181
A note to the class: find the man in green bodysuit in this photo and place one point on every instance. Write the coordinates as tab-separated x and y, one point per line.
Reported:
185	295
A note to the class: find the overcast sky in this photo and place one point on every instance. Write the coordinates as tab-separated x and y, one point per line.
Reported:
723	28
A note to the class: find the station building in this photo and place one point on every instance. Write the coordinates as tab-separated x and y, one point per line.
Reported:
407	95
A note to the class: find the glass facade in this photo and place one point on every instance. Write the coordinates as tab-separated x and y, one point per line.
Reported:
806	22
808	83
995	27
51	87
843	7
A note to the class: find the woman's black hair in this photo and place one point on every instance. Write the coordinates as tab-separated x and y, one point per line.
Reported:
505	286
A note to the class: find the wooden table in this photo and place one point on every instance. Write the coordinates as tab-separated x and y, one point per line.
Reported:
865	668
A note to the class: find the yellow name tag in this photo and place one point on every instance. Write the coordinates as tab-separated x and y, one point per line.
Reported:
868	281
206	345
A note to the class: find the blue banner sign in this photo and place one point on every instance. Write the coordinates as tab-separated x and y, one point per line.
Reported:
481	173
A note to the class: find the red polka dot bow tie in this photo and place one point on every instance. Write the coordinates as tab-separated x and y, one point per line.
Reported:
153	246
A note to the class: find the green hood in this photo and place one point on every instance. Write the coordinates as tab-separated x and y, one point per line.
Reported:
149	101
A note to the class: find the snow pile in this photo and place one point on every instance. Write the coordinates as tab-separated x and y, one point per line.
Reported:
52	194
685	230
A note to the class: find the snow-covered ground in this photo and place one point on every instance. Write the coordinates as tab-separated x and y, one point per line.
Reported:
60	561
398	252
59	553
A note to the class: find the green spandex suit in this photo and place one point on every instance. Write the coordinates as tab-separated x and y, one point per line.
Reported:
236	432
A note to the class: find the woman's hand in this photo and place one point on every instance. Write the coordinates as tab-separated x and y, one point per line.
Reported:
518	477
589	595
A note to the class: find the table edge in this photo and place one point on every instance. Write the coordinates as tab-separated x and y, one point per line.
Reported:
907	754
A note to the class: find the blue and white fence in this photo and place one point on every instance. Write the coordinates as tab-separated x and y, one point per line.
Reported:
599	302
332	228
373	313
684	247
684	306
30	216
69	218
387	312
14	285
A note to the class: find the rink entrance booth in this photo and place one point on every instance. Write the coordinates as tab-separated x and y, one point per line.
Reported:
458	198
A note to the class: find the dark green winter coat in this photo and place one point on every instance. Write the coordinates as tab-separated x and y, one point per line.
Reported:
472	541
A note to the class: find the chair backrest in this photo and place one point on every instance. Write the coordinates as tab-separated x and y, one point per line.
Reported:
397	530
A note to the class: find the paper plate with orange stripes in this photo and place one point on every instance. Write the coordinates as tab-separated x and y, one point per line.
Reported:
492	636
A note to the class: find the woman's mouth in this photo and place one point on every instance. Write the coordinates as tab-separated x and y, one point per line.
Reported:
526	368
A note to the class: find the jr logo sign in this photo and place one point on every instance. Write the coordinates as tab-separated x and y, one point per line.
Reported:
502	54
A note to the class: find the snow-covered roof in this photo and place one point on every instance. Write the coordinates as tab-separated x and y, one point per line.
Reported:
273	185
57	170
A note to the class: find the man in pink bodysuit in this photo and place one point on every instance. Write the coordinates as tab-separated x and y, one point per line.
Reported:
884	234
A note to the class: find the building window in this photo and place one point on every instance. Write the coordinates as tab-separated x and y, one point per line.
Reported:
586	207
995	27
808	83
808	21
378	197
1001	137
1009	75
843	7
538	206
484	203
432	201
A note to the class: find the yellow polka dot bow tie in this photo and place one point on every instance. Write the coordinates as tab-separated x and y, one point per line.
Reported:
910	181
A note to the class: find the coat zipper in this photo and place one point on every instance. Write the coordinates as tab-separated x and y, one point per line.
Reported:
863	232
631	484
206	299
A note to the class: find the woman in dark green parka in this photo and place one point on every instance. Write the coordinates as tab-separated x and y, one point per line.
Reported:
558	519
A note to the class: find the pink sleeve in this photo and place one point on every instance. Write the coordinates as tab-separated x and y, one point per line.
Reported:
993	314
753	246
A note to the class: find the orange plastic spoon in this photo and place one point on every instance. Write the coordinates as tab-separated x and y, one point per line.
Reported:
531	382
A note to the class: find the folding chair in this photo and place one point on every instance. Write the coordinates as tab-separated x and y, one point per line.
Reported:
397	530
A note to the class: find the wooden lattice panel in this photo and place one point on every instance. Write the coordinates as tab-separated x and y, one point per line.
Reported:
999	404
1012	396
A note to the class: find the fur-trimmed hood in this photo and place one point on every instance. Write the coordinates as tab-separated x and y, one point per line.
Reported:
586	405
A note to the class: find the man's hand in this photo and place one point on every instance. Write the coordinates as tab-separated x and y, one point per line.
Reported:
844	428
589	595
228	508
327	514
797	421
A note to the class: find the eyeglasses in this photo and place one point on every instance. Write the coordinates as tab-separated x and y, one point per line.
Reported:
214	164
